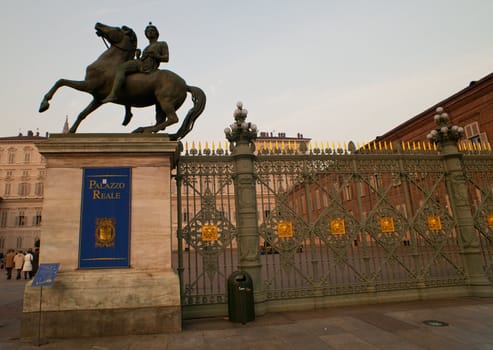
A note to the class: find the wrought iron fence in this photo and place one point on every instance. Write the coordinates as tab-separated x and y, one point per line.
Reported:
331	222
478	167
338	224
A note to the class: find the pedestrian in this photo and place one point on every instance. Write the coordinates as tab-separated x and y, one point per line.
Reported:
9	262
18	262
27	268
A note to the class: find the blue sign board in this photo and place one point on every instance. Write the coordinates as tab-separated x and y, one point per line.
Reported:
45	276
105	218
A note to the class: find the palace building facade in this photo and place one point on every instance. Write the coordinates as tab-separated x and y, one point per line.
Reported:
22	177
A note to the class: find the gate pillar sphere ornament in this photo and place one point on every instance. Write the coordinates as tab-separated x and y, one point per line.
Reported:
241	131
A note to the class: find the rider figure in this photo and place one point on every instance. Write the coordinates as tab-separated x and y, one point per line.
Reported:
155	53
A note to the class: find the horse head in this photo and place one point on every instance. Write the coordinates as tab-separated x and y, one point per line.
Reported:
123	38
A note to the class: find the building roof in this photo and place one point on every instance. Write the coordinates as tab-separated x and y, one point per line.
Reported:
29	137
458	96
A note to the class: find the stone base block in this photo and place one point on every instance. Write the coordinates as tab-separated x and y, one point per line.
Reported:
103	303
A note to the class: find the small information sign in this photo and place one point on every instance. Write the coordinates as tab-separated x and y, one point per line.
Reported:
45	277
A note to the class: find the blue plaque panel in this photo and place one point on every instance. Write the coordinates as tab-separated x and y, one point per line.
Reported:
45	276
105	218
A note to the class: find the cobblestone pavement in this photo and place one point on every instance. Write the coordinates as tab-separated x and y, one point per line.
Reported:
384	326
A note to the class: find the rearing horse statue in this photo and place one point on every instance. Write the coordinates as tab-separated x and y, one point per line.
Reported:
162	88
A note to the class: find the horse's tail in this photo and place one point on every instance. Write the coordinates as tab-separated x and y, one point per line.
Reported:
198	98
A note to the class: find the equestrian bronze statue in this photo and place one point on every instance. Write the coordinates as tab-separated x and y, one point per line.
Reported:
109	79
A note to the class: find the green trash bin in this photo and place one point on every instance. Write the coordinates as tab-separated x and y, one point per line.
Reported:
241	307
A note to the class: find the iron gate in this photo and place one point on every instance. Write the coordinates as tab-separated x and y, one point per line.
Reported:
206	230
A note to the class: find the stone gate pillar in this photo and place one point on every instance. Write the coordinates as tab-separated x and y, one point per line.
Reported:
241	136
446	137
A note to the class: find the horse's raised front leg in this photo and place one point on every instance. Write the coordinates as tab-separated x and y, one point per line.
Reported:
91	107
74	84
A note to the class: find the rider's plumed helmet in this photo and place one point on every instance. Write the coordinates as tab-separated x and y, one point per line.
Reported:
149	26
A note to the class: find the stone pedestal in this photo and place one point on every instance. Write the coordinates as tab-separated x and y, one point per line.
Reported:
141	299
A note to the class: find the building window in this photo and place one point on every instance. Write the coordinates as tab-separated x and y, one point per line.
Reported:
11	159
348	192
7	189
303	204
363	189
375	182
27	157
24	188
2	242
316	198
475	139
19	242
396	179
325	200
37	218
471	130
21	219
39	189
3	218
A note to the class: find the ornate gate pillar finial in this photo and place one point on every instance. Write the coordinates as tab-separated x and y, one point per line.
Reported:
240	130
444	132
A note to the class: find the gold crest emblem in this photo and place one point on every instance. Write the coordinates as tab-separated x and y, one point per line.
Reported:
387	224
209	233
284	229
489	220
434	223
337	227
105	232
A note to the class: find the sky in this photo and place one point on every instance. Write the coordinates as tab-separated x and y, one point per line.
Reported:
331	70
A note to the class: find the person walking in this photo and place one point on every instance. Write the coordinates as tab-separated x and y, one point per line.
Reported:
27	268
9	263
18	262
